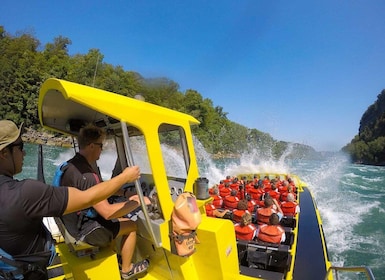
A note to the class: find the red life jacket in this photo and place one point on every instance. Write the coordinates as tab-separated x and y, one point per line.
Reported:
251	204
217	201
224	192
270	233
210	209
284	196
230	202
237	215
274	194
282	189
256	193
245	232
266	184
263	215
241	194
289	208
234	186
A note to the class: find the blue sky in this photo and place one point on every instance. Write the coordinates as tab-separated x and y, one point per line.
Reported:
302	71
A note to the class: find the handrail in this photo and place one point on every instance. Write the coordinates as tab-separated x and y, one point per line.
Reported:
362	269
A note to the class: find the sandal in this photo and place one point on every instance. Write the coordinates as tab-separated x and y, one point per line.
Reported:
138	270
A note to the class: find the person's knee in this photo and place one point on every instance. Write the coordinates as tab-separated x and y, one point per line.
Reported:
127	227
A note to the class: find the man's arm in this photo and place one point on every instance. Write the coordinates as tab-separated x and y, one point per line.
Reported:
116	210
78	199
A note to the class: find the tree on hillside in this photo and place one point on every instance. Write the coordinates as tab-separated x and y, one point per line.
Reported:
24	66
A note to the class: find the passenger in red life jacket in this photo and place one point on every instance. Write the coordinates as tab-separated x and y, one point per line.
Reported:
272	232
215	187
212	211
239	211
278	181
290	207
285	194
292	183
274	192
241	192
245	230
249	186
235	184
228	179
284	186
271	206
225	191
243	180
257	192
231	201
266	183
256	178
217	199
251	203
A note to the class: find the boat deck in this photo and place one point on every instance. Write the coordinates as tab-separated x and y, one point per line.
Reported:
310	260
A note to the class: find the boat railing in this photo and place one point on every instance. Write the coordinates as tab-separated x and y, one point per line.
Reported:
350	269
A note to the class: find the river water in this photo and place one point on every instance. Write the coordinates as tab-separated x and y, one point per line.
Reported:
350	197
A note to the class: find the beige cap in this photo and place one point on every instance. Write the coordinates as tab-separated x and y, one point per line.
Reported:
8	133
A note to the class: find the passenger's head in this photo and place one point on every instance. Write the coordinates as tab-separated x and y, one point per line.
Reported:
290	197
90	140
11	148
9	133
268	201
242	204
274	219
246	219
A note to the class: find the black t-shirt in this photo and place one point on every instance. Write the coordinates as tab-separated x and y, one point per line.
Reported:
79	173
23	204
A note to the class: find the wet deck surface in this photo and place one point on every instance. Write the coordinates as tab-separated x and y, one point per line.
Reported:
310	262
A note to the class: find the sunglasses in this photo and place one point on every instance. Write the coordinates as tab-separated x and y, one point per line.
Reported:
99	144
20	145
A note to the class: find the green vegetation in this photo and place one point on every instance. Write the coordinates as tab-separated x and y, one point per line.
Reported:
369	145
25	65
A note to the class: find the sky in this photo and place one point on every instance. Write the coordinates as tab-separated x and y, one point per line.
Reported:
302	71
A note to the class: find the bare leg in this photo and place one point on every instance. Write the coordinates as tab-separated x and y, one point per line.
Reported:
128	233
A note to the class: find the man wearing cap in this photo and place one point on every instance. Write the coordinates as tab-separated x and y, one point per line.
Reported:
24	203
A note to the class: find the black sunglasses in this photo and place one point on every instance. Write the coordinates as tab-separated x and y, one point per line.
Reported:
100	145
20	145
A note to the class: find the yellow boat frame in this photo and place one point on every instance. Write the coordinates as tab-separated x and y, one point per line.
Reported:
216	255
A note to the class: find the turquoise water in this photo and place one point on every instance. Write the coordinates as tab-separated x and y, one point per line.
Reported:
351	198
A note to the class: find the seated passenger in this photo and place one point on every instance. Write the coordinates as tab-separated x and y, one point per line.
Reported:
231	201
239	211
289	190
217	199
274	192
266	183
245	230
225	190
251	203
105	224
258	191
241	192
212	211
272	232
263	214
290	207
283	187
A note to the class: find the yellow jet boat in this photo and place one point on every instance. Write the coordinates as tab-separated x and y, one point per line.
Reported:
144	134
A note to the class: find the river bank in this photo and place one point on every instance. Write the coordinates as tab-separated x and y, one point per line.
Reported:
31	135
34	136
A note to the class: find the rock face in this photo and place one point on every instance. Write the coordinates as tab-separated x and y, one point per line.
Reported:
38	137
